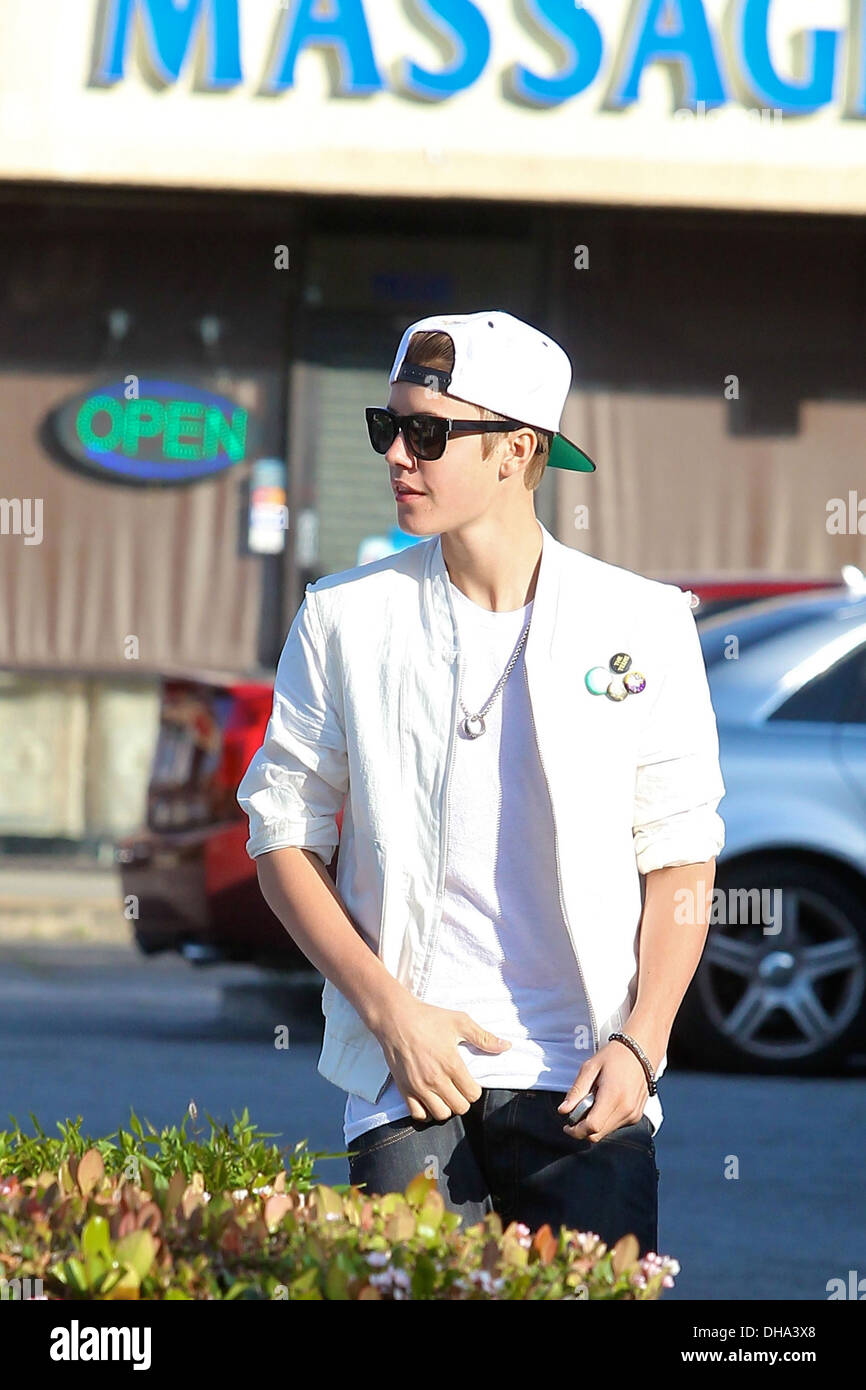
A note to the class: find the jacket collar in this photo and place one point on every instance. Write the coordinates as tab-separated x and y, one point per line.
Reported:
438	610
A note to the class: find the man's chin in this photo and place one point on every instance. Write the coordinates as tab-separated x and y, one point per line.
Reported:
418	526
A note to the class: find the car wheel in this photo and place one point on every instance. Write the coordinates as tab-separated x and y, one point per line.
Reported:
782	980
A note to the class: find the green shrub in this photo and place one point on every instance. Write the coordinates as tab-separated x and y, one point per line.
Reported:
161	1215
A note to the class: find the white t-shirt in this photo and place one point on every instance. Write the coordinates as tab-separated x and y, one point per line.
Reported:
502	952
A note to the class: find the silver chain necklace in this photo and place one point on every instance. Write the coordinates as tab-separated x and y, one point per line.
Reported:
473	725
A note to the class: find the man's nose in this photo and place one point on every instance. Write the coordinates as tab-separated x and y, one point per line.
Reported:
398	453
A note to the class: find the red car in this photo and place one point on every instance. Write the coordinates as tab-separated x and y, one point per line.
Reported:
197	888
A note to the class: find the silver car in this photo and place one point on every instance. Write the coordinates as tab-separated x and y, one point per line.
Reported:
781	986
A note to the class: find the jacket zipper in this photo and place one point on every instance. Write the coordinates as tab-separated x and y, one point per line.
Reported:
443	839
558	874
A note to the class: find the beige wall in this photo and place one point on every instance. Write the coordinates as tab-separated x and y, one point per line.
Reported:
675	495
75	755
479	143
109	563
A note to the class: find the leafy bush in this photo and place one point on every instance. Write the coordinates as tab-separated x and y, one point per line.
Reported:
228	1218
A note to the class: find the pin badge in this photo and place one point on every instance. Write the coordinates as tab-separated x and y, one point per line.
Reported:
598	679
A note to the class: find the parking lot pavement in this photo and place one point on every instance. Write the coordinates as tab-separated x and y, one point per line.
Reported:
93	1030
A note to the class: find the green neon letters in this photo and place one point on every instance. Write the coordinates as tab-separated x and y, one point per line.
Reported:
188	429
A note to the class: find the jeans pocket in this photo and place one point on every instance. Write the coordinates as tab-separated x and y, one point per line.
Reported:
633	1136
372	1140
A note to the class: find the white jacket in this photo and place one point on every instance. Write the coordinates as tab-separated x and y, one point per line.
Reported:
365	703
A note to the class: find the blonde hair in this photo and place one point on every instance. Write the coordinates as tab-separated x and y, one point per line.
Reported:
435	349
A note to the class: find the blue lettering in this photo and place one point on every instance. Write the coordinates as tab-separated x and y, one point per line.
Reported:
674	32
343	33
468	35
412	285
577	32
815	51
169	32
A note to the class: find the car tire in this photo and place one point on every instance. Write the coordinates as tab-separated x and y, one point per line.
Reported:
754	1003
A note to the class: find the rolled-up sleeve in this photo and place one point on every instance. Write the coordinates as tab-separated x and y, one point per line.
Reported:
295	784
678	784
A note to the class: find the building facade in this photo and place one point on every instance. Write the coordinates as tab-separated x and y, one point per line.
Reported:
218	217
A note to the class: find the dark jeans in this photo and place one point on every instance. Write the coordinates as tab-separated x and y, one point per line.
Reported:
509	1154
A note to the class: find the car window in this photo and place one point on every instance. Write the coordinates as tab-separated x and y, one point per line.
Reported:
748	628
836	696
855	711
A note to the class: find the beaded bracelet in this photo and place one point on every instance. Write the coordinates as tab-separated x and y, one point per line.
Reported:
641	1056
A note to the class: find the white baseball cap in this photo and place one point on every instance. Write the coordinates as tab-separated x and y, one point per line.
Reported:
504	365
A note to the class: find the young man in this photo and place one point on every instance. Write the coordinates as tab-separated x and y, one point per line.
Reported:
520	732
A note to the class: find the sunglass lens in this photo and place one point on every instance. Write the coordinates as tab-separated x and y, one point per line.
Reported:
426	436
382	430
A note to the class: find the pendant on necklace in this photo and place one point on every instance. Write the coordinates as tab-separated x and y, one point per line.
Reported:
469	724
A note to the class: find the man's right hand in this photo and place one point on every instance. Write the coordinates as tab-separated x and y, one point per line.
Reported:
420	1045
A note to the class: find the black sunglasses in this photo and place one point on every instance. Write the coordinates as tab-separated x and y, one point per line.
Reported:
425	435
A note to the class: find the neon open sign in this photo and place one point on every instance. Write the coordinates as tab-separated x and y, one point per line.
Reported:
162	432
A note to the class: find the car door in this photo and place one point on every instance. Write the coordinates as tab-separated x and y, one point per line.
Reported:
852	724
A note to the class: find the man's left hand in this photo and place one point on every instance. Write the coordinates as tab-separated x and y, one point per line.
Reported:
621	1092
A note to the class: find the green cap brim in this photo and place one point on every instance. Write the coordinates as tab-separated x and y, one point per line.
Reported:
564	454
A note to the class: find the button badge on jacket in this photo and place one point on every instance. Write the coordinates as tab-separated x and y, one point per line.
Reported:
616	680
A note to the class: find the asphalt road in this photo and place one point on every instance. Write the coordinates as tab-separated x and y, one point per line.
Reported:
91	1031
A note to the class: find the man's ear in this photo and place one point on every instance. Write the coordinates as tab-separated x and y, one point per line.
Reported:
514	445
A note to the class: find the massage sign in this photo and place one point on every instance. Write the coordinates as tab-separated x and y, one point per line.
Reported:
158	432
603	45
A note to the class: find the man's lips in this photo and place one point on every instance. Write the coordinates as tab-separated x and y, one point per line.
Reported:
413	492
